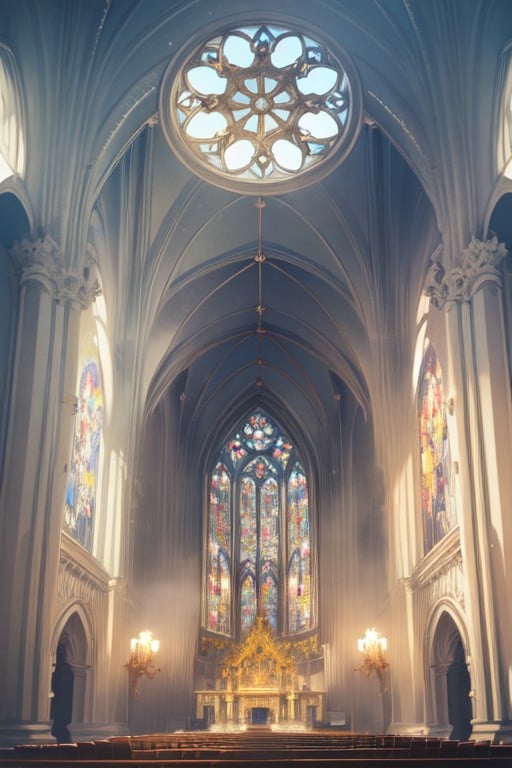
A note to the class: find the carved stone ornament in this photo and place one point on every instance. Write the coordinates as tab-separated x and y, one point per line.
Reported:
480	263
40	260
261	661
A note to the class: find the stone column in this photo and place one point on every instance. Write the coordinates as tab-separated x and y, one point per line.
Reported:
291	706
32	493
229	708
438	677
470	295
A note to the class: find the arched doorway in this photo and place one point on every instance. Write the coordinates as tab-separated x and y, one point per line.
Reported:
61	711
69	679
458	687
450	680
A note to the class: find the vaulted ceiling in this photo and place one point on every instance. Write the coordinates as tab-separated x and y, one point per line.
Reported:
345	257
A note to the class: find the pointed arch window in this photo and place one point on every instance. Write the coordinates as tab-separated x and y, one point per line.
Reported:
258	533
438	507
12	143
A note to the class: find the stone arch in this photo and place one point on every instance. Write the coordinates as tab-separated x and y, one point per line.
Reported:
73	640
448	685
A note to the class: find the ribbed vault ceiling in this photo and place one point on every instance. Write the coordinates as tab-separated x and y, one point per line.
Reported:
326	284
345	258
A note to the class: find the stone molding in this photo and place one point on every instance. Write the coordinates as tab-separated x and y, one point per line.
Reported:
479	264
40	260
440	571
80	574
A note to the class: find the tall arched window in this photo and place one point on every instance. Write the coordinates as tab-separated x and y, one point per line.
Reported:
12	145
258	533
438	507
83	475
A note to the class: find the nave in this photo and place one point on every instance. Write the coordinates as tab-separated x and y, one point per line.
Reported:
255	362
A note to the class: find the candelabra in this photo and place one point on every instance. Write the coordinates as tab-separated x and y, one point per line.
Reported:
373	647
140	662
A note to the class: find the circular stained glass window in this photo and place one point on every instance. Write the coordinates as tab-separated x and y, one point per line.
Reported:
259	106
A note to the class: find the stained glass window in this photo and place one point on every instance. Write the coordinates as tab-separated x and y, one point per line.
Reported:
438	507
219	552
248	604
83	475
299	552
260	104
268	521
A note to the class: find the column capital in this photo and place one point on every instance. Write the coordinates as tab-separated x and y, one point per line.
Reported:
40	260
479	264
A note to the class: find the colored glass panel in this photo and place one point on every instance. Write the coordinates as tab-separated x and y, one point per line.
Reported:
219	592
269	521
248	526
236	451
248	604
299	552
259	454
259	432
80	506
270	600
438	508
282	450
219	552
260	468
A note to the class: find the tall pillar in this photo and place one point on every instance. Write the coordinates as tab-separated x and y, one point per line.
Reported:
229	708
33	486
291	698
471	297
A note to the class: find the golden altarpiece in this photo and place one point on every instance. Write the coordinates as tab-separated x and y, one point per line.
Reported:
259	682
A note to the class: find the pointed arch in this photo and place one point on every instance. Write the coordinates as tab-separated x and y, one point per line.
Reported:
447	652
259	520
73	642
75	615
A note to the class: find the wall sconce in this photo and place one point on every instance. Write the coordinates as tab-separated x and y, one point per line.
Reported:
373	647
140	663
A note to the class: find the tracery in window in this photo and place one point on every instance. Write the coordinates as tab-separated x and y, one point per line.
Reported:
258	533
438	507
83	476
260	104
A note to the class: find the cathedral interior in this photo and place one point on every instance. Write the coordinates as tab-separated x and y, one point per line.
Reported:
255	366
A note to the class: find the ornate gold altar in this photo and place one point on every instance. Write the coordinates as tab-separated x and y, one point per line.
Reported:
260	685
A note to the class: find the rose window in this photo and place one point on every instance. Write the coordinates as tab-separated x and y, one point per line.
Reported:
260	105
